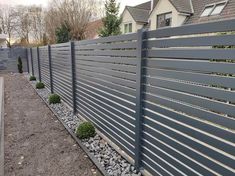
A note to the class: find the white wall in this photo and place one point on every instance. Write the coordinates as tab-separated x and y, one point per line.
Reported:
164	6
127	18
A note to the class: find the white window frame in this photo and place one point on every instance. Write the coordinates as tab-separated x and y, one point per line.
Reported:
167	13
128	23
213	8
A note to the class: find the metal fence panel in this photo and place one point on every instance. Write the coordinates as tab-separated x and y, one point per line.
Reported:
189	112
45	69
35	63
61	71
106	86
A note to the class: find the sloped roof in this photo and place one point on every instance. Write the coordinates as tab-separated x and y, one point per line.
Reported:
199	5
139	15
146	6
183	6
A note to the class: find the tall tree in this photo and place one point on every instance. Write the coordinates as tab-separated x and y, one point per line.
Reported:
8	22
63	33
112	20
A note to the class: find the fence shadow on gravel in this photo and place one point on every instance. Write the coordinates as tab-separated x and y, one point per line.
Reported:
158	95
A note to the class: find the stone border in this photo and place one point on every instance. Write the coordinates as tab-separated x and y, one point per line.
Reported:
79	142
1	126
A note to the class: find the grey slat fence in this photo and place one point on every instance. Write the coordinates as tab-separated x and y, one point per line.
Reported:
9	59
165	97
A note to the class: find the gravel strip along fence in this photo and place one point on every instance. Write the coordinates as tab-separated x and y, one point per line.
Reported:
35	142
103	155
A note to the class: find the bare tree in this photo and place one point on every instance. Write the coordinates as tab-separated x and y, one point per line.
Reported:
76	13
23	22
37	23
8	22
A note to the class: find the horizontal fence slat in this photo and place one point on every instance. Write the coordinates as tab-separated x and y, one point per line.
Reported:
182	136
121	45
107	59
189	109
203	91
131	53
211	27
119	38
159	147
189	65
205	79
175	140
228	54
106	100
125	90
191	41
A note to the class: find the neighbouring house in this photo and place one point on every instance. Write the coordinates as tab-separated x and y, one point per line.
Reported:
3	38
156	14
92	29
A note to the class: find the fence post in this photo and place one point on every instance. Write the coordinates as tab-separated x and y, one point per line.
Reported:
39	66
138	114
31	55
72	56
50	68
27	58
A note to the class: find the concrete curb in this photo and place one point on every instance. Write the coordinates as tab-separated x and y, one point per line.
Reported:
1	126
79	142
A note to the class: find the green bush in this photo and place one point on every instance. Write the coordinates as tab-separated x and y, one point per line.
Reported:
40	85
85	130
32	78
20	65
54	98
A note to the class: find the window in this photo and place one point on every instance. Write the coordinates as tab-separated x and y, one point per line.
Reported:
164	20
218	9
207	11
213	9
128	28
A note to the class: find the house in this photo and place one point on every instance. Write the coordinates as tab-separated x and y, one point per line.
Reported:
156	14
3	38
92	28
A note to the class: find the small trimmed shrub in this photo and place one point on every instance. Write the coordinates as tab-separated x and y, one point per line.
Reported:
40	85
85	130
54	98
32	78
20	65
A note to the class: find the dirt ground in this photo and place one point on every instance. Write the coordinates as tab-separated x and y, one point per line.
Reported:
36	144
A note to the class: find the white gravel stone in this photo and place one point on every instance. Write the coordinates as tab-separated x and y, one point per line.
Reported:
113	163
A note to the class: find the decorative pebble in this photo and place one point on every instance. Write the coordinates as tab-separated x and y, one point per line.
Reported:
114	164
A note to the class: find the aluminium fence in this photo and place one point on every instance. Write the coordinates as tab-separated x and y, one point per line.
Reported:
165	97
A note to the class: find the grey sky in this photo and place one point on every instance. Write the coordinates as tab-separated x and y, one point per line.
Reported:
44	2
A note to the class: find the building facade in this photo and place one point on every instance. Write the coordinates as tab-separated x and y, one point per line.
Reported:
157	14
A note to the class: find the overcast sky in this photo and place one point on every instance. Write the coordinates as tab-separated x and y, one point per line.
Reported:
44	2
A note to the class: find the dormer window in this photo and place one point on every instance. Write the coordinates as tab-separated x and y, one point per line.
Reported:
213	9
164	20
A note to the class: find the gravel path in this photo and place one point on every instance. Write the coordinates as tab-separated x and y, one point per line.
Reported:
36	144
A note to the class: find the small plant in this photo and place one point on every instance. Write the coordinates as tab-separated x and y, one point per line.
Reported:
20	65
40	85
32	78
54	98
85	130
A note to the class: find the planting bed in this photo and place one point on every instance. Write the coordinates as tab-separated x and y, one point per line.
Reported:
107	159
